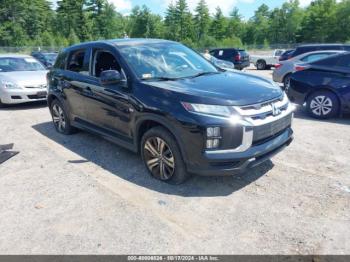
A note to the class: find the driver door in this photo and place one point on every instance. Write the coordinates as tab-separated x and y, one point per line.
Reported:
107	106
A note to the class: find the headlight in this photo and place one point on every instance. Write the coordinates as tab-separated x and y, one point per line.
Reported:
215	110
9	85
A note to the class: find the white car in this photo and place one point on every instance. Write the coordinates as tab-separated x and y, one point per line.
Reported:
22	79
262	62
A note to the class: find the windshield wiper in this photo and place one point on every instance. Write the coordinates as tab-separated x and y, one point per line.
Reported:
160	78
203	74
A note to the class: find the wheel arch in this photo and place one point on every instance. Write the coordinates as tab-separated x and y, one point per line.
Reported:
149	121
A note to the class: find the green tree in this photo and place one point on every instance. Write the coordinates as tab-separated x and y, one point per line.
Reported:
319	22
170	22
218	25
201	20
235	26
183	18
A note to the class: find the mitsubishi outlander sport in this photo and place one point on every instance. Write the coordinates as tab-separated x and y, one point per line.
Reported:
166	102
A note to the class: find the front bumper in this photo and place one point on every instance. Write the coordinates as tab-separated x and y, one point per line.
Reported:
18	96
231	162
264	134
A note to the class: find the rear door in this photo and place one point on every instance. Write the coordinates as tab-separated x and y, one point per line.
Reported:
73	81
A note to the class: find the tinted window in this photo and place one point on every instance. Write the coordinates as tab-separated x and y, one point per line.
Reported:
61	61
315	57
331	61
344	61
76	61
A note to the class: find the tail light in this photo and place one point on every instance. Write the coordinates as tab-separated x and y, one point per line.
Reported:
277	66
238	57
299	68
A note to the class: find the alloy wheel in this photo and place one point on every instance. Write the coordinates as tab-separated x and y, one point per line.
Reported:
159	158
58	118
321	105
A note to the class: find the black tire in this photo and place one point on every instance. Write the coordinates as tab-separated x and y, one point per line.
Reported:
60	118
261	65
163	161
322	105
286	82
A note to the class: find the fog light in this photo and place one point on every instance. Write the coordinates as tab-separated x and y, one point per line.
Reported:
213	143
213	131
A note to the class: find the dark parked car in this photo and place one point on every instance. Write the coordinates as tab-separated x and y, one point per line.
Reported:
168	103
323	85
286	55
318	47
47	59
238	57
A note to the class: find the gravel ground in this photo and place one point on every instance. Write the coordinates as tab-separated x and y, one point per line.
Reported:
82	195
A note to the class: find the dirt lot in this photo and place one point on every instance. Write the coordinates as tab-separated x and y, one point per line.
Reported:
82	195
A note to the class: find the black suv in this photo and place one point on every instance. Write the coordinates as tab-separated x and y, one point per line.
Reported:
165	101
302	49
238	57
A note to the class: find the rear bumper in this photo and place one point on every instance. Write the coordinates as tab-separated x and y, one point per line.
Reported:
231	163
277	77
18	96
242	65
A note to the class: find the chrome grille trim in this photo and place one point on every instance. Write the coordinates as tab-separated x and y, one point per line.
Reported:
261	109
249	121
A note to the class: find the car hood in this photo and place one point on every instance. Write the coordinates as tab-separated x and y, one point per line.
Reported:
229	88
25	78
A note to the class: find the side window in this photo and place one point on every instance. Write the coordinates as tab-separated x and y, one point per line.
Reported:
61	61
102	61
228	54
76	61
315	57
344	61
220	53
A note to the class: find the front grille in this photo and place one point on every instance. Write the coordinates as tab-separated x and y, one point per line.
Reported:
39	96
272	129
38	86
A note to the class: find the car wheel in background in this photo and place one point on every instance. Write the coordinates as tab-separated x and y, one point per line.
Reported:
261	65
286	82
323	105
162	157
60	118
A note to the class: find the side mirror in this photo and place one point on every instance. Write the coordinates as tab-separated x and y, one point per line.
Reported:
110	77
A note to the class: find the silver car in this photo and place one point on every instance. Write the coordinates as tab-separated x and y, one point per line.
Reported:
22	79
284	69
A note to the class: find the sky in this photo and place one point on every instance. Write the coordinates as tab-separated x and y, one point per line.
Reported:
246	7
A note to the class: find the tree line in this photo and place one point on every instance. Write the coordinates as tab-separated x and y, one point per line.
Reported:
36	23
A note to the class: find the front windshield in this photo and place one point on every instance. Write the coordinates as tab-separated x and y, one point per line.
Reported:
165	60
12	64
